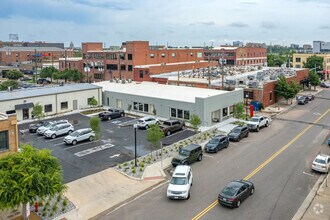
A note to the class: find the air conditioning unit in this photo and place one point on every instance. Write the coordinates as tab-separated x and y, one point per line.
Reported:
123	81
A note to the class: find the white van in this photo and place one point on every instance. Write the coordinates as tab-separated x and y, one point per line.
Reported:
181	181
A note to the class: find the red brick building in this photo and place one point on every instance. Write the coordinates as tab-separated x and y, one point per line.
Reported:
238	55
104	64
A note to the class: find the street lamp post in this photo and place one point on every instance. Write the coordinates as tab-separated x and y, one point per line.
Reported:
135	127
246	105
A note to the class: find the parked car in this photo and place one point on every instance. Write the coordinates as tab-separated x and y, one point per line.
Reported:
302	100
58	130
80	135
33	127
238	133
41	130
24	78
329	141
43	81
258	122
235	193
171	126
145	122
180	183
325	85
111	113
188	155
250	77
321	163
310	97
217	143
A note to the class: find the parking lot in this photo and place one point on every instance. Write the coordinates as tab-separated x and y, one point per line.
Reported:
116	145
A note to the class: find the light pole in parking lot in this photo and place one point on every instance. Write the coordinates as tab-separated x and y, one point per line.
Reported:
135	127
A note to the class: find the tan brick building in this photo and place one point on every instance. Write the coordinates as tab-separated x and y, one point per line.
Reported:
8	134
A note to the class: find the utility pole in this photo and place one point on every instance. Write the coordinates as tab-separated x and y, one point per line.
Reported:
35	60
178	78
65	58
209	74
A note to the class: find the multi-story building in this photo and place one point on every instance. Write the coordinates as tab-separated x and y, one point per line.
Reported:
321	47
237	44
8	133
300	58
105	64
30	44
238	55
15	56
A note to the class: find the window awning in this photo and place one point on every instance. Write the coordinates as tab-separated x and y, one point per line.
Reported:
25	105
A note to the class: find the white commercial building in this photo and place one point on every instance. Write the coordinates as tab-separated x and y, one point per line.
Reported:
169	101
54	99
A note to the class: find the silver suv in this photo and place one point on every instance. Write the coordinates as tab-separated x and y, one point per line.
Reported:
41	130
59	130
80	135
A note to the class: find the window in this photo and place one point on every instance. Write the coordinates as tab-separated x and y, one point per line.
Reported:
152	55
199	55
191	54
173	112
180	113
173	54
10	112
98	76
111	56
129	56
146	108
141	74
270	96
130	68
98	55
64	105
141	107
122	67
48	108
108	101
112	66
122	56
135	106
4	144
298	59
224	112
298	66
186	115
163	55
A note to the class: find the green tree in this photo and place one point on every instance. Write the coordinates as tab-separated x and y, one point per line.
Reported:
56	76
295	86
284	90
94	122
275	60
195	122
93	102
314	79
239	110
9	83
29	175
154	135
314	62
37	111
48	72
65	74
14	74
75	75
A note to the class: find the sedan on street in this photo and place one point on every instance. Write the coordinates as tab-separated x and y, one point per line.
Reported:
235	193
325	85
217	143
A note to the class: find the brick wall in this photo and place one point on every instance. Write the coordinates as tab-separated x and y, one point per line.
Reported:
10	125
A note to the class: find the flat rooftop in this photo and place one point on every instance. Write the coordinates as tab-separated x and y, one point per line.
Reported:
169	64
45	90
37	49
160	91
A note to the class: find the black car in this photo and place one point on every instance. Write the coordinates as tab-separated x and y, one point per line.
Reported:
43	81
111	113
235	193
238	133
33	127
302	100
217	143
310	97
324	85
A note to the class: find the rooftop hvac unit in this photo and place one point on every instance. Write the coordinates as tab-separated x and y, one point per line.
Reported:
123	81
129	80
117	80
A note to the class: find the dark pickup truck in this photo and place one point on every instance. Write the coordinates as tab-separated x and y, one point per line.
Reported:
171	126
111	113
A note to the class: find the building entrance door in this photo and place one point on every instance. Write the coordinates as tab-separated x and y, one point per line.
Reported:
25	113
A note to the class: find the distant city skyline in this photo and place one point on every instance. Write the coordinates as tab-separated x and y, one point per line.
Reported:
174	23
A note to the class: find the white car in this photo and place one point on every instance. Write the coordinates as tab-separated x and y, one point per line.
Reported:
145	122
41	130
321	163
181	181
59	130
80	135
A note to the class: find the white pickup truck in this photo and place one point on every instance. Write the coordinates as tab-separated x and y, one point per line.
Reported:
257	122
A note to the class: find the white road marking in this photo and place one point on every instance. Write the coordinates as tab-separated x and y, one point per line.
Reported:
115	122
206	155
93	150
55	139
309	174
115	155
78	145
59	144
316	113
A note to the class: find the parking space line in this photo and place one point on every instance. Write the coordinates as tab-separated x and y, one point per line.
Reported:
175	133
59	144
206	155
93	150
55	139
78	145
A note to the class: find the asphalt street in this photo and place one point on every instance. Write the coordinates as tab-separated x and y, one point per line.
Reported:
285	151
116	145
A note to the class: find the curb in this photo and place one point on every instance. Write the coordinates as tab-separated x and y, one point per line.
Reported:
307	202
319	193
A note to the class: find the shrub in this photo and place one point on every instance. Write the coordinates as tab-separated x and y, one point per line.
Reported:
125	169
171	149
44	213
133	170
132	162
141	169
65	202
51	214
47	203
41	203
59	197
55	208
63	209
133	167
166	152
119	166
141	164
154	159
125	164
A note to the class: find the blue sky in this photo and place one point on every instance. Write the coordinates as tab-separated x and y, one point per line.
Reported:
172	22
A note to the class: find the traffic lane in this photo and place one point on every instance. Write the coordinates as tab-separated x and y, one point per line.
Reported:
211	175
281	186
